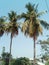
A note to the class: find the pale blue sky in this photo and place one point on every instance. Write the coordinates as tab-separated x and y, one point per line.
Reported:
22	46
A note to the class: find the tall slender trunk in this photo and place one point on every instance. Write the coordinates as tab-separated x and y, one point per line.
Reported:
34	51
10	49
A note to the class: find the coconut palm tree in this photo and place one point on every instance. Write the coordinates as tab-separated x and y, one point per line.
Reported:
12	27
32	25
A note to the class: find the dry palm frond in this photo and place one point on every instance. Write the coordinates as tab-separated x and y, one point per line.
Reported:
25	27
31	29
41	13
39	26
37	21
40	29
12	28
14	31
34	27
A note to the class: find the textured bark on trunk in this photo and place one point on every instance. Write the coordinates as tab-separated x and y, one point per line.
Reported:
10	49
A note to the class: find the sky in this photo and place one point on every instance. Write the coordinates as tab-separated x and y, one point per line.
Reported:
22	46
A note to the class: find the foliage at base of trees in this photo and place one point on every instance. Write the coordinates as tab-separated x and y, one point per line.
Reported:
21	61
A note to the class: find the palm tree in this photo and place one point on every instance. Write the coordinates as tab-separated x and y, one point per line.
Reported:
12	27
32	25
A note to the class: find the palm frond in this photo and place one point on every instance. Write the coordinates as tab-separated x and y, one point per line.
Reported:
25	27
34	27
2	26
12	16
36	10
40	29
44	24
41	13
2	21
12	28
25	16
30	7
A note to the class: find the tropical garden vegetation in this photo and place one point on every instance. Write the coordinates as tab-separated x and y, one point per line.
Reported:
32	27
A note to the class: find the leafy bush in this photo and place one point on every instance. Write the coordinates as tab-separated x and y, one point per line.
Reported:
21	61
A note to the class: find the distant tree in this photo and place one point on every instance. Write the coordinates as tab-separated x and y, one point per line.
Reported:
5	57
45	49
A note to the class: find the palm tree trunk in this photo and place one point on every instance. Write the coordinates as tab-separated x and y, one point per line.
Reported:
10	49
34	51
